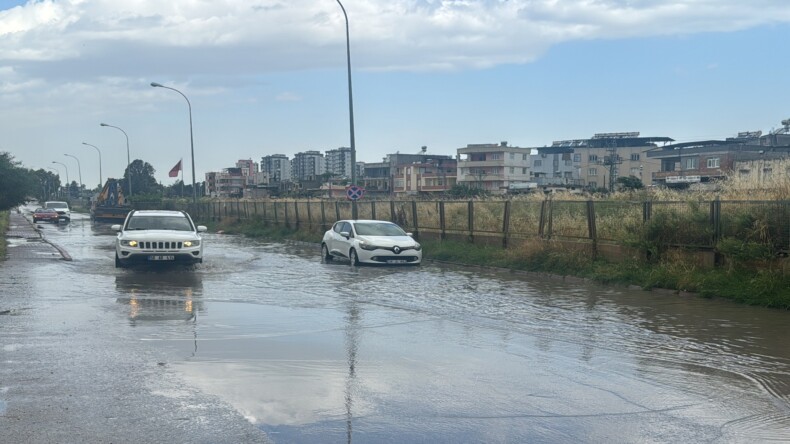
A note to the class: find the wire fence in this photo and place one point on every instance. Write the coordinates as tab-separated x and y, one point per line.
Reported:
690	224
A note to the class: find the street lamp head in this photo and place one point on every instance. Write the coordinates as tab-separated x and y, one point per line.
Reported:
155	85
103	124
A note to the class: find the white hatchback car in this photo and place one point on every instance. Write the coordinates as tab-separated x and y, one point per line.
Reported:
158	237
370	242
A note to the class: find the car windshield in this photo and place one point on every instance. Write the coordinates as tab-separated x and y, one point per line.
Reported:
375	229
57	205
177	223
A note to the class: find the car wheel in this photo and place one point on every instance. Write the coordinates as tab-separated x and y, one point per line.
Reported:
118	263
352	256
325	253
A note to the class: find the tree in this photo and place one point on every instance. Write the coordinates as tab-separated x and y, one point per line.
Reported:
17	185
629	183
143	181
461	190
48	184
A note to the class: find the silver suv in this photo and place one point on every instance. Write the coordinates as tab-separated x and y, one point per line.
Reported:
158	237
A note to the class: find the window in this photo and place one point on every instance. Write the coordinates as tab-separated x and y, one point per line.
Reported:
635	171
592	172
496	156
512	170
523	171
593	158
592	184
577	157
690	163
568	163
512	156
635	156
713	162
524	156
538	163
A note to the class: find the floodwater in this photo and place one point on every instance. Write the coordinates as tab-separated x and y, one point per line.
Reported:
324	352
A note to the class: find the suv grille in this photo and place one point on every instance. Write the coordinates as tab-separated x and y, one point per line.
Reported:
160	245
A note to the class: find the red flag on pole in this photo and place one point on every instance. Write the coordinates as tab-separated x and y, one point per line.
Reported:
174	171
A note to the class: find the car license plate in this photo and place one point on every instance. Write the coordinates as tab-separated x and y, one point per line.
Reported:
396	261
159	257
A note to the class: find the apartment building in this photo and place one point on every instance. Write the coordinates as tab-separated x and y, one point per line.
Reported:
277	167
493	167
748	154
426	177
338	162
307	166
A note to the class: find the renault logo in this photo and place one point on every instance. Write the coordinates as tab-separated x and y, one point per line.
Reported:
396	250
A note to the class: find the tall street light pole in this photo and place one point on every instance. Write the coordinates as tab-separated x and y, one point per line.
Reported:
101	182
79	168
128	159
191	138
350	101
68	182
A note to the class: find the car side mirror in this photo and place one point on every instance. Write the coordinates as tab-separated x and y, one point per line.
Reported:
201	228
115	227
345	234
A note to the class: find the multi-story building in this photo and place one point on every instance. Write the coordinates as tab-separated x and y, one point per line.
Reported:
338	162
379	178
277	167
307	166
238	181
705	161
493	167
426	177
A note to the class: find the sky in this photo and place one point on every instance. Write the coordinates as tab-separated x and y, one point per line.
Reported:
269	77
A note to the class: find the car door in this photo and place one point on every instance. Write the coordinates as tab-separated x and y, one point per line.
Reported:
344	243
335	242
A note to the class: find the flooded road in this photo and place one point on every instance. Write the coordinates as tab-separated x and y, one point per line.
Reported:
312	352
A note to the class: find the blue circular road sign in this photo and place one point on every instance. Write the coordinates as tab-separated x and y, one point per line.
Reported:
355	192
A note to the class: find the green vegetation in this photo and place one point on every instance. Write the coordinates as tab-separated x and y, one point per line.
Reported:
3	229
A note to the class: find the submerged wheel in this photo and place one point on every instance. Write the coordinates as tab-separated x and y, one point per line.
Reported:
118	263
353	257
325	253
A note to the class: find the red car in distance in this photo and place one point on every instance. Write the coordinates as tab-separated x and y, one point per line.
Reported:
45	215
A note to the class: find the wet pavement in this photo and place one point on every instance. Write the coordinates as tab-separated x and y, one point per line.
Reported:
263	337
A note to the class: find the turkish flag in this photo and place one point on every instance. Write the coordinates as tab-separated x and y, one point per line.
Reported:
174	171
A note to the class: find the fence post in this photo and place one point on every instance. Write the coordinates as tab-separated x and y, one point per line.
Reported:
285	212
309	216
506	223
337	211
414	219
591	227
471	221
238	209
276	216
392	212
647	211
373	209
715	213
323	216
296	214
265	216
441	220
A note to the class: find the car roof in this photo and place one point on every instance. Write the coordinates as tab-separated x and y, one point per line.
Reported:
158	213
369	221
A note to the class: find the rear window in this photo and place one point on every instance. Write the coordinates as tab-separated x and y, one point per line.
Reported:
56	205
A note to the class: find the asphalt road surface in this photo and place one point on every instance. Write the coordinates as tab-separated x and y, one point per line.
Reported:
264	342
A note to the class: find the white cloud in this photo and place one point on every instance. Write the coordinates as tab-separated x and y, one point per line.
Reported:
405	34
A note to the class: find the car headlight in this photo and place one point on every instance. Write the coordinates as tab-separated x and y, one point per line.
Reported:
129	243
367	246
417	247
192	243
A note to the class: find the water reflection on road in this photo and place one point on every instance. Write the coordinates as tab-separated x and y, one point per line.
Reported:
314	352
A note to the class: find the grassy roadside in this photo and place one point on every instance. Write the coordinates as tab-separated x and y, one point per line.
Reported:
761	286
3	229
